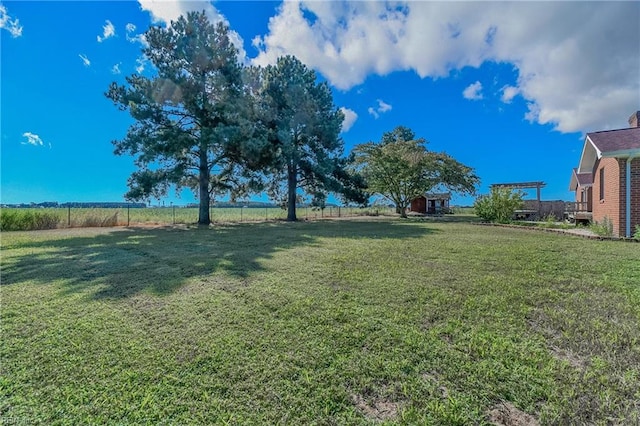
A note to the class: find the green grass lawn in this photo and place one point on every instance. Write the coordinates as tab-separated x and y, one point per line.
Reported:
328	322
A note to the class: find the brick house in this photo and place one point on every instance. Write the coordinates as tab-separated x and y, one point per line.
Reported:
607	179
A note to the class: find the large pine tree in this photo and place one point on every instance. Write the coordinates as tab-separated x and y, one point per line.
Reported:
190	117
303	127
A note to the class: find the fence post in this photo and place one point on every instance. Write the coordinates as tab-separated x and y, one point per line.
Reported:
266	213
241	209
128	217
174	213
69	216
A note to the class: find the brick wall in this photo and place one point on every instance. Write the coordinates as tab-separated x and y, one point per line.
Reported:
635	195
607	204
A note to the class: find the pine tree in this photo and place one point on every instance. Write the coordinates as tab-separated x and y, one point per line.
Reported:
192	125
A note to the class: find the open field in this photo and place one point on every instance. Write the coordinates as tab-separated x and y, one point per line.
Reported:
326	322
12	219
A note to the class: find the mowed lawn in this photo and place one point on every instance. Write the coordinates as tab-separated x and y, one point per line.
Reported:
329	322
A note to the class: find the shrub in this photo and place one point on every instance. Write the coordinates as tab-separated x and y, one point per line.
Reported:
549	221
93	221
16	220
604	228
499	206
637	233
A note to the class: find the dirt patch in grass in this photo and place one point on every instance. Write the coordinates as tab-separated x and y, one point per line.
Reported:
507	414
538	321
434	378
378	409
574	360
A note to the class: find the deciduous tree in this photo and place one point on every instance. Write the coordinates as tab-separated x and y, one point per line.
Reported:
400	168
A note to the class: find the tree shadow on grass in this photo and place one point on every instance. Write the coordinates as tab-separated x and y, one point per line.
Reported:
125	262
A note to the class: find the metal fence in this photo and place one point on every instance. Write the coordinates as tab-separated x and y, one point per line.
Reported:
72	217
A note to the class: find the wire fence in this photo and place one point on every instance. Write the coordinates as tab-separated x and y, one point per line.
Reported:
12	219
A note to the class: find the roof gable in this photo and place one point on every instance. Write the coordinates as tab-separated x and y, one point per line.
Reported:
609	143
612	141
580	180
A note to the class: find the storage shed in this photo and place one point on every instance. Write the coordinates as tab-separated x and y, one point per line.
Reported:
431	203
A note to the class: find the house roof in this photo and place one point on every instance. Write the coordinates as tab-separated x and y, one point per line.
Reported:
580	179
621	143
612	141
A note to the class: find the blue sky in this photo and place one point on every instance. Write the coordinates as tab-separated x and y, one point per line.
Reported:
508	88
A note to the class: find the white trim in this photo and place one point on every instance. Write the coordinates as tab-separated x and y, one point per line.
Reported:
588	168
598	152
573	184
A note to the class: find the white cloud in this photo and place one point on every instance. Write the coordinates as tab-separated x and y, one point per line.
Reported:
135	38
383	106
167	11
473	91
141	63
116	68
108	31
350	117
85	60
33	139
381	109
9	24
572	75
508	93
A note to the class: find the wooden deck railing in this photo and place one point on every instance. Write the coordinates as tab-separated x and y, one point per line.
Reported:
578	206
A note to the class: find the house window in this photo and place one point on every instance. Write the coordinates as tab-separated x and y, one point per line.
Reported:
602	184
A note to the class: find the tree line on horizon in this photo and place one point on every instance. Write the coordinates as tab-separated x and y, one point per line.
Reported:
208	123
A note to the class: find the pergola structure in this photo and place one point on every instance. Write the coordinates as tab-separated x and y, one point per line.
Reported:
523	185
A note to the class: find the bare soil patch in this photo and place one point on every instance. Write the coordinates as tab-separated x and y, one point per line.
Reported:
434	378
507	414
379	409
577	362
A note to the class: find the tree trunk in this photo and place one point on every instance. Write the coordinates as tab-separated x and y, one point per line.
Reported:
203	180
403	211
292	183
